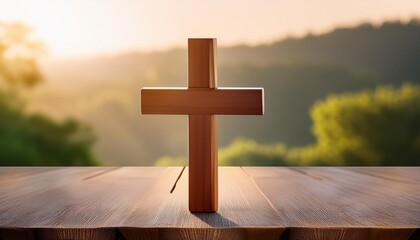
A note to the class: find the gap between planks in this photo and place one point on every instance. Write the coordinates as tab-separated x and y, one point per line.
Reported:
101	173
333	178
260	191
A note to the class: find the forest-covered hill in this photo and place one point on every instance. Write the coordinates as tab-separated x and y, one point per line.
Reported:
294	72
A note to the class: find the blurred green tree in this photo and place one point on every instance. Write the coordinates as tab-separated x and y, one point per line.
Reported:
380	127
172	161
248	152
241	152
33	139
370	128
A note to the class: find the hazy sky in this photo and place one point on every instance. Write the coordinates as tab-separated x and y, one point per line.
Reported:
89	27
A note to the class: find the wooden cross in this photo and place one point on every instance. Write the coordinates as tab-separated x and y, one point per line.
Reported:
201	101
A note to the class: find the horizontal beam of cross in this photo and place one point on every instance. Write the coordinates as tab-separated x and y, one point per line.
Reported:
193	101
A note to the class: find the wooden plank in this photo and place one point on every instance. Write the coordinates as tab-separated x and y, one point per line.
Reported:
17	234
11	173
136	203
243	213
58	234
378	199
334	203
404	174
80	233
104	200
203	233
223	101
416	235
71	203
349	233
203	185
21	190
38	188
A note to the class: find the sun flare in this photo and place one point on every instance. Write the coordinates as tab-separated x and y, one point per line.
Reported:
74	28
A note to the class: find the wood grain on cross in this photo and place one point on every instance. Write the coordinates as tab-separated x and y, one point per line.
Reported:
201	101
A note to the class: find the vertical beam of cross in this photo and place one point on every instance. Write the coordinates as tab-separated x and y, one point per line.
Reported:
201	102
202	129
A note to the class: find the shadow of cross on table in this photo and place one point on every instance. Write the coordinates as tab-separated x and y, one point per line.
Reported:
215	220
201	101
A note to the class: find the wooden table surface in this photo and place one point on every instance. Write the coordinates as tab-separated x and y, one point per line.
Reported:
255	203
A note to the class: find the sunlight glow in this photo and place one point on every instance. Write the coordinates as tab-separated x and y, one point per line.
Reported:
74	28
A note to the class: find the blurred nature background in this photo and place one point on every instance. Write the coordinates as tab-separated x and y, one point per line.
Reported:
341	79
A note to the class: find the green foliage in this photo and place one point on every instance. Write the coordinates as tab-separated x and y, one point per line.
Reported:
248	152
33	139
370	128
380	127
171	161
37	140
239	153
